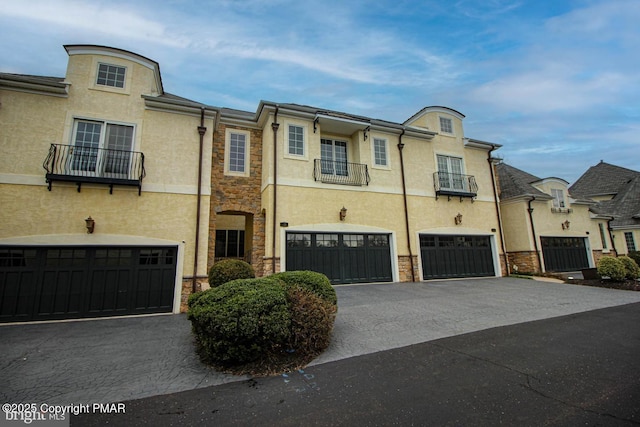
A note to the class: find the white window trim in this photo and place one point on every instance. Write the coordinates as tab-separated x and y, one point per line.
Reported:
561	203
247	150
305	140
387	166
114	62
453	132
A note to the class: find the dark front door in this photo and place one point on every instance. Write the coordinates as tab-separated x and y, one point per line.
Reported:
453	256
564	253
342	257
44	283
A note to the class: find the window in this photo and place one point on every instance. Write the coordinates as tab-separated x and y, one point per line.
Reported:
296	140
602	236
229	244
110	75
631	244
446	125
236	155
334	157
326	240
380	152
298	240
101	149
450	173
558	198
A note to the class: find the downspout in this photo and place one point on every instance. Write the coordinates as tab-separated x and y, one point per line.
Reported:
610	230
275	125
406	210
533	230
201	130
495	196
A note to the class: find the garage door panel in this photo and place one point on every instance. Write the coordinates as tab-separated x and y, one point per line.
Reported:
564	253
452	256
342	257
17	292
57	283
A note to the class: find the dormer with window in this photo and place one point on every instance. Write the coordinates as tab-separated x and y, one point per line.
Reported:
557	189
100	142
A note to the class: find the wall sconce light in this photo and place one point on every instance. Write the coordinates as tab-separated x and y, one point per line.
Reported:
91	223
458	219
343	213
565	225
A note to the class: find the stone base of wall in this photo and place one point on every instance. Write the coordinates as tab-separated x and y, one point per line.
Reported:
503	265
404	268
599	254
523	262
267	267
202	283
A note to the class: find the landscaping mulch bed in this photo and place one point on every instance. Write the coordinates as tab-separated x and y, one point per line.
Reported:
627	285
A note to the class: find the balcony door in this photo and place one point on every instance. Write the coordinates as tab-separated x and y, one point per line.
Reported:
101	149
450	173
334	157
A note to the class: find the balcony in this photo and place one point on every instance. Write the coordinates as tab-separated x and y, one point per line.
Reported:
80	165
456	185
344	173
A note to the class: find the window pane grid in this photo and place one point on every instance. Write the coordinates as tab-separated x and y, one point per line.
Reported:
380	152
111	75
296	140
237	153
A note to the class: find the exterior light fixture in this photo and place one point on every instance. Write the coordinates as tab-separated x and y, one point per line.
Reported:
565	225
91	223
458	219
343	213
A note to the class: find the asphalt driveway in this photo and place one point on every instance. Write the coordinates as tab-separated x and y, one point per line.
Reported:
120	359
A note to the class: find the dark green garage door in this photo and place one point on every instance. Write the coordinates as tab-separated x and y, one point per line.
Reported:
456	256
342	257
45	283
564	253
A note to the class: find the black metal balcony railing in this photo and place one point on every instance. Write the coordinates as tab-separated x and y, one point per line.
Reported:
340	172
94	165
453	184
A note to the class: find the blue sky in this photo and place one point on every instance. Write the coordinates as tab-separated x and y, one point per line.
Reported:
557	83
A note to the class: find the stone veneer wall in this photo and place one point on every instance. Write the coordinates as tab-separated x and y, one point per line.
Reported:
236	195
404	267
526	261
597	254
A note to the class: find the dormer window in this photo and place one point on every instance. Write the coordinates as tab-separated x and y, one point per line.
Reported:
446	125
111	75
558	198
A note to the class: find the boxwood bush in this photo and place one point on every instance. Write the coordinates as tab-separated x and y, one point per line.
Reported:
312	319
229	269
315	282
611	267
631	269
273	323
635	255
240	320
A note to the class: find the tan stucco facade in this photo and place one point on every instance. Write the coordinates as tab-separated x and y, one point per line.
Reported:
306	204
166	133
572	220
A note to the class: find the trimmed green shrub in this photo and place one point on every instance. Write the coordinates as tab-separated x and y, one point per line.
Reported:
631	269
241	320
611	267
635	255
315	282
229	269
312	319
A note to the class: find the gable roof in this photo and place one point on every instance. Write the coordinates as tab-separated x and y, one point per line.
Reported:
513	183
602	179
624	207
622	183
